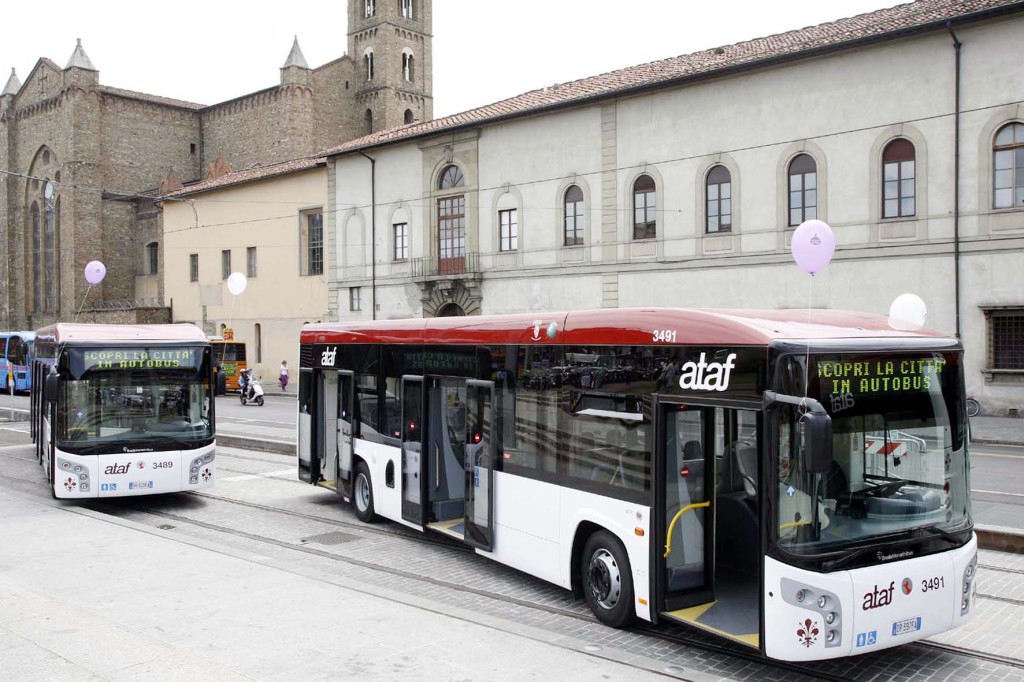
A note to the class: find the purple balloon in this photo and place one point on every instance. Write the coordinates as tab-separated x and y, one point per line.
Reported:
95	271
813	245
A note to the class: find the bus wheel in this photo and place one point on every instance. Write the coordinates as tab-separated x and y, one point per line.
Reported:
362	494
607	580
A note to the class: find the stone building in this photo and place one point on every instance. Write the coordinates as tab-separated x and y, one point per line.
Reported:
83	161
680	183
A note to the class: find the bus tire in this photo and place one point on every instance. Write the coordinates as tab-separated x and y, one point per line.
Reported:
362	494
607	580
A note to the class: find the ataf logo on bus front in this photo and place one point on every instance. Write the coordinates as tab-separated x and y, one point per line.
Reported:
328	356
117	469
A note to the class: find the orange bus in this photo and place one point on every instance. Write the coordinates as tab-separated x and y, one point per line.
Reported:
230	356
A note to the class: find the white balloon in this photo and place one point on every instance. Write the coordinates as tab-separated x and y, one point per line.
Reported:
237	283
907	311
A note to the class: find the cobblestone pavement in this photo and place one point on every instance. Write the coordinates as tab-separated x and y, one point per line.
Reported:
314	534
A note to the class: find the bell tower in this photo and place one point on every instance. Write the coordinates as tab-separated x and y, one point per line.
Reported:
391	44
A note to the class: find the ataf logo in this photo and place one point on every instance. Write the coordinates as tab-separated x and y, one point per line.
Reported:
879	597
908	586
707	376
116	469
328	356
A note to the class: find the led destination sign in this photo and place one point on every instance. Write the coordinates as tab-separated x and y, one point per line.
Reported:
879	376
140	358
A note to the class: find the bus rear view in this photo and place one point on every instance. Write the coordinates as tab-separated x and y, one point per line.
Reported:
122	410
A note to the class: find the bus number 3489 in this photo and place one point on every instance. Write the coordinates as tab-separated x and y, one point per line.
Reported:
163	465
664	336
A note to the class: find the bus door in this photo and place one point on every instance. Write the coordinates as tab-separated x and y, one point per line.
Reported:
412	450
707	554
334	439
481	453
443	465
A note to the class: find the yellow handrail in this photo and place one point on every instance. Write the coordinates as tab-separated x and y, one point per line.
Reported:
668	536
793	524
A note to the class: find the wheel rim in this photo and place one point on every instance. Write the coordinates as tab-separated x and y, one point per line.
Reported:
604	579
362	493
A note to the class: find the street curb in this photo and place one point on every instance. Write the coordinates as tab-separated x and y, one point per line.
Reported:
996	441
281	447
1000	538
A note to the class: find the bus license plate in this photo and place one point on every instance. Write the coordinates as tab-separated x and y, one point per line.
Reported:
902	627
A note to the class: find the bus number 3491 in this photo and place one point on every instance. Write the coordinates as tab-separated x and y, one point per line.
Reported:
664	336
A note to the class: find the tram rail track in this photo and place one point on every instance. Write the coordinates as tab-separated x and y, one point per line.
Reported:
723	648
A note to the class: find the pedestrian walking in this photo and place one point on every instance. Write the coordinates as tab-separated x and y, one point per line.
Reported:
284	375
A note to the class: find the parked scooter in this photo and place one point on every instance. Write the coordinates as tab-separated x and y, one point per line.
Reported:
252	393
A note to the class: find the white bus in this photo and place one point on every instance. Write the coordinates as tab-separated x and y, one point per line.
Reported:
796	481
123	410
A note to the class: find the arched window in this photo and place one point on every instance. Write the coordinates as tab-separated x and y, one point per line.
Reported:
369	8
574	220
368	121
407	62
405	7
37	259
1008	183
899	187
152	258
644	208
718	200
50	256
368	64
451	176
803	189
451	223
409	117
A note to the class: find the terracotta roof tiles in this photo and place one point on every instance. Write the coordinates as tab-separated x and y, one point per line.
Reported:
792	44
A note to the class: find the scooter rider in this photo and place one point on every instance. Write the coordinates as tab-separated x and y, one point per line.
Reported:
244	384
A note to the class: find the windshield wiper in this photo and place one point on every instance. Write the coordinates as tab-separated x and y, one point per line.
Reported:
843	560
944	534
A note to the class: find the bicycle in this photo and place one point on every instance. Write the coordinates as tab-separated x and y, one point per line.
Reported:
973	407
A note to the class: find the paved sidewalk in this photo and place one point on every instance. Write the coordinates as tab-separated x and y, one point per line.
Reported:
88	597
997	430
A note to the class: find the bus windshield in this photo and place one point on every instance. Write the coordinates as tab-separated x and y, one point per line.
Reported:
898	447
155	397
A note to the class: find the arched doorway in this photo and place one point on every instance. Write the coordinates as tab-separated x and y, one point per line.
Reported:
450	310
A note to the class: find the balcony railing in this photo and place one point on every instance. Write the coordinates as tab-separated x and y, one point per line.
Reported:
433	266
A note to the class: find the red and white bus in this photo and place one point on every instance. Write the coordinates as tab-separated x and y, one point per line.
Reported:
796	481
122	410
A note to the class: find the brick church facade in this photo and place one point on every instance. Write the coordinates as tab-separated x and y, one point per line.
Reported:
84	162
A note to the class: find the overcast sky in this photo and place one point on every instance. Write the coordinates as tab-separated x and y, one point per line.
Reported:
484	50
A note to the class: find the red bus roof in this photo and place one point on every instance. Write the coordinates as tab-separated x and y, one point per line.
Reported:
621	326
73	332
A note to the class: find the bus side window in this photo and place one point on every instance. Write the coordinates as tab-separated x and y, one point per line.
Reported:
368	399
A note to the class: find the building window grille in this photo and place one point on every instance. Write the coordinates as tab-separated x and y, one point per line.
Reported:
225	263
355	298
193	267
406	7
1006	339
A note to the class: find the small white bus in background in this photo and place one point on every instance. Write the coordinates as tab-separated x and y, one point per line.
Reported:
122	410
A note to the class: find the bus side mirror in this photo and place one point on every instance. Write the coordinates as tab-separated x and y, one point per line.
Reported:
816	435
51	388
